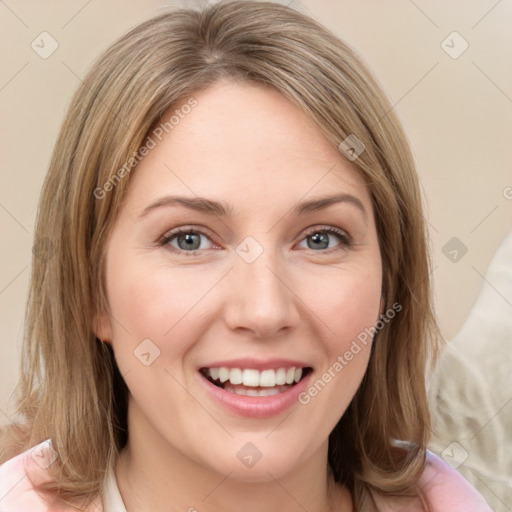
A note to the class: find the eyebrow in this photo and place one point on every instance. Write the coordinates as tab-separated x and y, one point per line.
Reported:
208	206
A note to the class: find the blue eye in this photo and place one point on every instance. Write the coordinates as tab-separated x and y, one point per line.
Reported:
189	241
320	239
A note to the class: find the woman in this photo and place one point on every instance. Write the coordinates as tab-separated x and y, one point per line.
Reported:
238	311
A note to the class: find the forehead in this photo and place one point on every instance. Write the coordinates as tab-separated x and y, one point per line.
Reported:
242	143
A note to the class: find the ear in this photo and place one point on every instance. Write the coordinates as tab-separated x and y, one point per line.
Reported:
102	327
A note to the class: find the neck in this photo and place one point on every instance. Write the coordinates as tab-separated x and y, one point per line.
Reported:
154	476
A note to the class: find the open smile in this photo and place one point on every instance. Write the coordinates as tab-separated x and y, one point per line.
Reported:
256	393
252	382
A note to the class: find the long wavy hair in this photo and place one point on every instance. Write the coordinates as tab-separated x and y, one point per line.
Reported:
70	389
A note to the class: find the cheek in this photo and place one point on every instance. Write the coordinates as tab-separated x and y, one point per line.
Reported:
349	305
152	308
156	302
347	302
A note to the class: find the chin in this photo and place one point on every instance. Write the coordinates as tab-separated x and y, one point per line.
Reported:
258	462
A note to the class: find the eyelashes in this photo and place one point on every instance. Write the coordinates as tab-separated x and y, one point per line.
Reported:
183	234
190	236
346	240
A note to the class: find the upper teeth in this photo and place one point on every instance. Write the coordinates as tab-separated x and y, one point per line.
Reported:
255	378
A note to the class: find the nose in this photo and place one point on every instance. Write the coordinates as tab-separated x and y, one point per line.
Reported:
261	300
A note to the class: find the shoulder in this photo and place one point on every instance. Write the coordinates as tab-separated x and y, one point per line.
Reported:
20	475
16	489
442	489
447	491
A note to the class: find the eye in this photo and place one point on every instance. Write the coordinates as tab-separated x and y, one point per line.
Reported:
190	241
320	238
185	240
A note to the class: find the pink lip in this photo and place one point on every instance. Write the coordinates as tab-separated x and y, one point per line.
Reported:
257	364
256	406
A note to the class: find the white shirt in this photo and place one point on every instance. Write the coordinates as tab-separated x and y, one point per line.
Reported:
112	500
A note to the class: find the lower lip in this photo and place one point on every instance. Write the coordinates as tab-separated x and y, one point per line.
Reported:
257	406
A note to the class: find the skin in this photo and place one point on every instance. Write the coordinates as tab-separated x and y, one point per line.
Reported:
250	147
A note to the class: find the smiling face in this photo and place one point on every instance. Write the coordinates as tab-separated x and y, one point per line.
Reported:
227	263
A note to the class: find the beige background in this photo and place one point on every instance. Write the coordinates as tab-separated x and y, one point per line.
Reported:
457	112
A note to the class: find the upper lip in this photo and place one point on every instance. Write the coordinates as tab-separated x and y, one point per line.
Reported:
257	364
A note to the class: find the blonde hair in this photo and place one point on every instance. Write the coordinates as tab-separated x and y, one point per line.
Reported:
70	389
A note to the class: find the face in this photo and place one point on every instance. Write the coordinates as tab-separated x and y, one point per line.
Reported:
237	292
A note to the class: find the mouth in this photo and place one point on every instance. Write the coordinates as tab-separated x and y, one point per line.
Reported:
253	382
